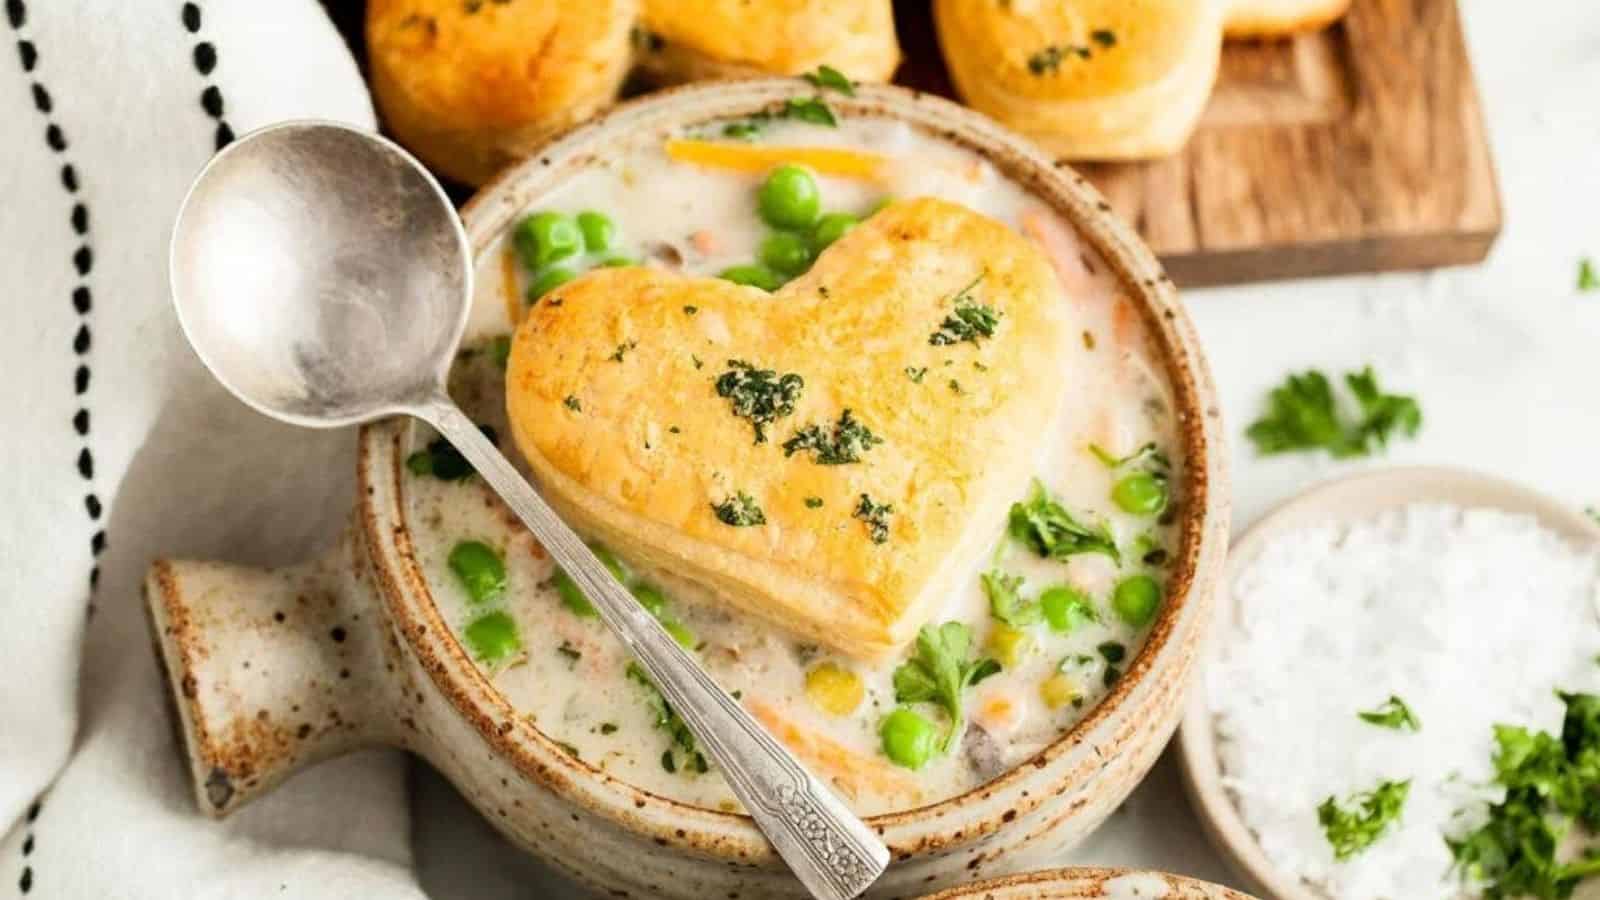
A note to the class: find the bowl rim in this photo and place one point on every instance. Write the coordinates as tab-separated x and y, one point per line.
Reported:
1350	498
733	836
1080	876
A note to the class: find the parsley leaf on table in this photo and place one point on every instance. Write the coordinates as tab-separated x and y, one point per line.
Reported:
1588	277
1303	414
829	77
940	671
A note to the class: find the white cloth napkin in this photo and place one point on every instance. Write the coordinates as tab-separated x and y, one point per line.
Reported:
116	447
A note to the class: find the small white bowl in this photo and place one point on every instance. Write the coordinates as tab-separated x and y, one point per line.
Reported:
1350	499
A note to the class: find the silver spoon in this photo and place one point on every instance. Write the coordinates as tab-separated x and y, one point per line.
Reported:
323	277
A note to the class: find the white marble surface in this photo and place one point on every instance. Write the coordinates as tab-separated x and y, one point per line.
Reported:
1505	358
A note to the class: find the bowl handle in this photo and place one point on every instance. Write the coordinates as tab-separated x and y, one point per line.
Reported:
271	670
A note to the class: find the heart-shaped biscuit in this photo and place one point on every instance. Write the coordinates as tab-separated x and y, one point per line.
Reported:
936	328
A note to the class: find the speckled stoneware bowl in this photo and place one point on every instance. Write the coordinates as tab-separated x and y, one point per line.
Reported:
272	671
1091	884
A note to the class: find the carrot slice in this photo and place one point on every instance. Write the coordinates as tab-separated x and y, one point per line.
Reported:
761	157
852	773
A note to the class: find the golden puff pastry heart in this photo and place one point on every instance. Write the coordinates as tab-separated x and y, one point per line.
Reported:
472	85
694	40
612	390
1086	79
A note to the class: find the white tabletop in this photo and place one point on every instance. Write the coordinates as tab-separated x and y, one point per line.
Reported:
1504	358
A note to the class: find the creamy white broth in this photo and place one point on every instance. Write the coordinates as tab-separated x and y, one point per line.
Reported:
571	679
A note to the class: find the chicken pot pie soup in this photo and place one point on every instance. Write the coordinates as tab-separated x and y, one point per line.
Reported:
863	422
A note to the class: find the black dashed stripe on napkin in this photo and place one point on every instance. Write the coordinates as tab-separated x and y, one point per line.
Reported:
205	62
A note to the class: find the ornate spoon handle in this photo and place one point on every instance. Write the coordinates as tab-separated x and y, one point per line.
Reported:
832	852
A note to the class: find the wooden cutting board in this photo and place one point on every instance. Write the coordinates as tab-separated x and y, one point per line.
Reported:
1357	149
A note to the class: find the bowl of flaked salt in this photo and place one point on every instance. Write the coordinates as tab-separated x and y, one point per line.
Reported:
1403	695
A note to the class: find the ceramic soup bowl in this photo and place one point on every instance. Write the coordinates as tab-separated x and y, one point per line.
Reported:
274	670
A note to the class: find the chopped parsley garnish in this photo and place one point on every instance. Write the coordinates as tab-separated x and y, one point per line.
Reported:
573	654
829	77
876	517
813	503
810	109
1005	600
968	322
1588	277
1049	530
668	720
916	374
743	131
1551	782
1303	414
1394	713
759	395
1112	651
608	727
1048	60
690	310
1356	824
955	386
572	403
568	749
1088	340
849	440
698	362
622	350
443	461
740	511
940	671
1105	37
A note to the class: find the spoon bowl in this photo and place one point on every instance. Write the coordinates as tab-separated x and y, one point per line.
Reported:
322	274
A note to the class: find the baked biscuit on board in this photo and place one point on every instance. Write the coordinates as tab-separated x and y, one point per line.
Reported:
695	40
645	446
1274	18
472	85
1086	79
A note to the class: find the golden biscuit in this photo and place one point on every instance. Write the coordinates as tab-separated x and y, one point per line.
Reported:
613	395
694	40
1086	79
1271	18
471	85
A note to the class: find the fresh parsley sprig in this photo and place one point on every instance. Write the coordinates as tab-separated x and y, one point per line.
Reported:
940	672
1005	600
1303	414
1049	530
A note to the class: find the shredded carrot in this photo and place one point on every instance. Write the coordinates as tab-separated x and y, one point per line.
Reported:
704	241
851	772
761	157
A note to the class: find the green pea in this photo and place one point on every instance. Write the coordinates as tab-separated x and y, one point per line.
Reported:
651	599
680	633
479	569
598	231
1136	599
908	738
754	275
785	253
617	262
789	198
549	280
547	237
1066	608
610	561
492	637
830	228
1140	493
